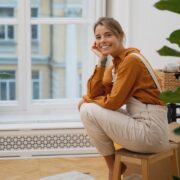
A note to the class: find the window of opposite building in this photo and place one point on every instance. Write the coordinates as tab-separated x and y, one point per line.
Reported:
6	31
45	47
7	85
34	28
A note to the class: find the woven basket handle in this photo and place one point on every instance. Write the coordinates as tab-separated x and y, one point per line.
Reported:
149	68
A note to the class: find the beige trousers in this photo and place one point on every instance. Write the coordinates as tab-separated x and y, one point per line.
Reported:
141	128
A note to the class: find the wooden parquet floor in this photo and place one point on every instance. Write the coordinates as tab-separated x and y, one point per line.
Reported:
33	169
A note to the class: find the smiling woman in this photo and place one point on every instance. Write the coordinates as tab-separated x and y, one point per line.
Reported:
143	127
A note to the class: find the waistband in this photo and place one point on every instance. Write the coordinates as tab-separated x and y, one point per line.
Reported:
136	104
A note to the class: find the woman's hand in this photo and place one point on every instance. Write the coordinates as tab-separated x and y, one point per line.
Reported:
80	103
95	49
102	58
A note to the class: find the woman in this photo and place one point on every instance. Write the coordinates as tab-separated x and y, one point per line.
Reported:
143	126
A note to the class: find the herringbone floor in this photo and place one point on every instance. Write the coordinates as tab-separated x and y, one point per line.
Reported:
33	169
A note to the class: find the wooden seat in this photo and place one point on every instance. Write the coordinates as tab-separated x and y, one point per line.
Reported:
145	161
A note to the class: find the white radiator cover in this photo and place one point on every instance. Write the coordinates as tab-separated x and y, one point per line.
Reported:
45	142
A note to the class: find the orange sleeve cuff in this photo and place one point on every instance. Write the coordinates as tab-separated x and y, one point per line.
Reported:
98	73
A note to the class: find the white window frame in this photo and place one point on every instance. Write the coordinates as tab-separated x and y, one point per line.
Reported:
61	110
6	26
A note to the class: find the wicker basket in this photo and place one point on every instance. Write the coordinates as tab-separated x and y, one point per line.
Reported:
169	81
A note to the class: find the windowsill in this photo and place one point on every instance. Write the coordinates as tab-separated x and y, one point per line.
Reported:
46	119
39	126
8	42
15	121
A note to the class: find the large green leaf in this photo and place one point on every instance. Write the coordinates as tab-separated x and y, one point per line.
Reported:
170	96
175	37
176	178
169	5
177	131
167	51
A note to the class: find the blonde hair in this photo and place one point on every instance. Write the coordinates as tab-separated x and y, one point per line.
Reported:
110	24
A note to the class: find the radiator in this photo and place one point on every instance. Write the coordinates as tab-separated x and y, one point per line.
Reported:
45	142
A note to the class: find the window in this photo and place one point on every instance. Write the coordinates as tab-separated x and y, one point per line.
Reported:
6	31
6	12
34	28
50	60
7	86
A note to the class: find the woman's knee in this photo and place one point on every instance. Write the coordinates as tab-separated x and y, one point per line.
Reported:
86	109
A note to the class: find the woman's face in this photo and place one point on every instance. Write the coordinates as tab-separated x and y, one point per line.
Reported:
106	42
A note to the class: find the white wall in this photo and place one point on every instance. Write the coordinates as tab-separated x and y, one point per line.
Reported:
146	27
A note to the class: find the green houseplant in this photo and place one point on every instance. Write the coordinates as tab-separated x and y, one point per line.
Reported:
176	178
174	37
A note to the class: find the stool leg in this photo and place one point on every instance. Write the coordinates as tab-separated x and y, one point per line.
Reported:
175	165
117	168
145	169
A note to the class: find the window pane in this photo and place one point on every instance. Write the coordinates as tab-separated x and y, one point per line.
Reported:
12	90
34	12
59	56
2	32
10	32
3	89
34	32
35	75
7	85
8	8
35	85
60	8
35	90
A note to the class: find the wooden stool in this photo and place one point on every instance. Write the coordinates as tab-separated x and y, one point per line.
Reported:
145	160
